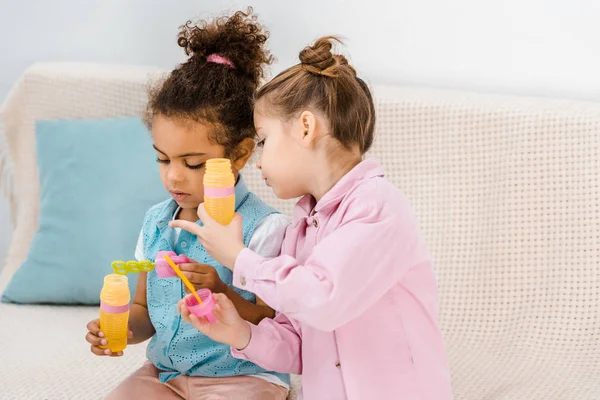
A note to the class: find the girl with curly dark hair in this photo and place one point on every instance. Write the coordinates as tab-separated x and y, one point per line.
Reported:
202	110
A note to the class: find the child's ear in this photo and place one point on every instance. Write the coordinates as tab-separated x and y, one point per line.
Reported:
241	154
308	128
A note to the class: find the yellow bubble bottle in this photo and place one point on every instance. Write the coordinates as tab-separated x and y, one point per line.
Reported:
219	190
114	311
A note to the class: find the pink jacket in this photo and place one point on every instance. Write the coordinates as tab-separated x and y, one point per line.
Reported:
357	295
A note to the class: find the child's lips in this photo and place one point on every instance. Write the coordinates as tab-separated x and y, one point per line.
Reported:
179	196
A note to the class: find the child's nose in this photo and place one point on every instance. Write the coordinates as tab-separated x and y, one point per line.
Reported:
259	163
174	174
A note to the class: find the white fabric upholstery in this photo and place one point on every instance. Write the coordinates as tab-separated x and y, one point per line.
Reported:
45	355
507	193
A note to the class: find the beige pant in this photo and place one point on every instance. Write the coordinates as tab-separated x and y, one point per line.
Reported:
144	384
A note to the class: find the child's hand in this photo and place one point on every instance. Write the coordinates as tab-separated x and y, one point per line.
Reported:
95	337
203	276
224	243
229	327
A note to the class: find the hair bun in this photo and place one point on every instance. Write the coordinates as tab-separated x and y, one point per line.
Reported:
319	60
240	39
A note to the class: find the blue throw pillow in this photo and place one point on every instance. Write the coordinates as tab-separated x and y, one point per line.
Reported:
98	178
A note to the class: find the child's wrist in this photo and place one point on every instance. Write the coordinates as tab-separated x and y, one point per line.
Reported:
234	256
243	338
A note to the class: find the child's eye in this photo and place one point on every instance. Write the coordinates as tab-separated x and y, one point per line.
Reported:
198	166
261	143
161	161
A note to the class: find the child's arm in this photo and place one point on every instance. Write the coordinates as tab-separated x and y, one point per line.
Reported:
266	241
347	272
274	344
139	318
206	277
253	313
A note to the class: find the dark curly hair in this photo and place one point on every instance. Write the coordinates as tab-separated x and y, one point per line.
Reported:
214	93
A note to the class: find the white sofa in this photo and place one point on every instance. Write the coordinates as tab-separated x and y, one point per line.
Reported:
507	191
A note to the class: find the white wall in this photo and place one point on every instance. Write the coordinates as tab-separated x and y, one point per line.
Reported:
535	47
540	47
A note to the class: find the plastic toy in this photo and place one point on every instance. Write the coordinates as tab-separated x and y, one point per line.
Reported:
202	303
219	190
204	308
181	276
114	311
125	267
161	266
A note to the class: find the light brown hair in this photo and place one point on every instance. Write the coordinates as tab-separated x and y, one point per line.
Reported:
324	82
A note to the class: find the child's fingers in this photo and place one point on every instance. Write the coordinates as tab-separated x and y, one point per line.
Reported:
181	307
97	350
129	332
183	310
224	309
197	279
100	352
200	323
95	340
186	226
223	301
196	267
228	317
219	314
203	215
94	327
105	352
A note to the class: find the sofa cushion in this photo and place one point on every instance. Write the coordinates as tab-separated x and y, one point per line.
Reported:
98	178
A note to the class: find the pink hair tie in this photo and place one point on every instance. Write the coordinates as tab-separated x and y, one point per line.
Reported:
217	59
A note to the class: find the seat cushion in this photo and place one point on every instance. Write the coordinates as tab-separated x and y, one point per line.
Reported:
45	355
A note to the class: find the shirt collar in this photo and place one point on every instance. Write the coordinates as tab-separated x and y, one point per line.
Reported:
366	169
241	191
